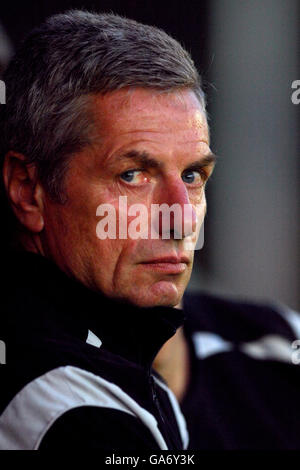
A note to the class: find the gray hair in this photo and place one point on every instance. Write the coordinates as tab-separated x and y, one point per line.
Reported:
66	60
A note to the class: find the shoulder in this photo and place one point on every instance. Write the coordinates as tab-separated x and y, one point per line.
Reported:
68	405
222	325
239	320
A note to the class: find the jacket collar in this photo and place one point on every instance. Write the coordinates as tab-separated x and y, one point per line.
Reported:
131	332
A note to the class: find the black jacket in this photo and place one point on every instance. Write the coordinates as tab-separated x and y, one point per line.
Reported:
78	366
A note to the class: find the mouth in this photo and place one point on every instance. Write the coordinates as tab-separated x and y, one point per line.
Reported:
167	264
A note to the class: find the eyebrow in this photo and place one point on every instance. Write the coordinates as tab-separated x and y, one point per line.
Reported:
144	158
207	160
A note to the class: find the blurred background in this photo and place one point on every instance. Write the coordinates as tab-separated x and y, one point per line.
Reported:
248	54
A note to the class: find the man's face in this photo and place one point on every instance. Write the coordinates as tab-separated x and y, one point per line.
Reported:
149	147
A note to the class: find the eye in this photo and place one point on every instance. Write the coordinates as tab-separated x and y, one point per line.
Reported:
133	176
193	177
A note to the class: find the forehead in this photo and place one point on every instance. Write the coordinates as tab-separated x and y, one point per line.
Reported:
150	116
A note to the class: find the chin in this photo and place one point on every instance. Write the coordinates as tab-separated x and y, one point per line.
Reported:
161	294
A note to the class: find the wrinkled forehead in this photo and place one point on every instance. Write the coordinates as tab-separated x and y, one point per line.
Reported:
140	109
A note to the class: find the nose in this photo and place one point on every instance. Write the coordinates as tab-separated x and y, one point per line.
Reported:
175	216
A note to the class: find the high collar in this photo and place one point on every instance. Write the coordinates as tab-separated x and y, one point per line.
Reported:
129	331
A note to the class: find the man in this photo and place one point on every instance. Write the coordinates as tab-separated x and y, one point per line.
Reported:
100	111
234	368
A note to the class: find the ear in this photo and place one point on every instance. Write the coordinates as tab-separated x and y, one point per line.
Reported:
24	192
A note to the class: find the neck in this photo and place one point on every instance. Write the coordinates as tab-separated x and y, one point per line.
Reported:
132	332
29	242
172	363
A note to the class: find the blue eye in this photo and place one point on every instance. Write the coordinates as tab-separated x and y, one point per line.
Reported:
135	177
128	175
190	176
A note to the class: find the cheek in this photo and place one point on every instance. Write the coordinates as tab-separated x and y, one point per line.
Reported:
114	266
201	211
59	223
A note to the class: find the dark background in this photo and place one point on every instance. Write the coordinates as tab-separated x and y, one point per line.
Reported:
248	55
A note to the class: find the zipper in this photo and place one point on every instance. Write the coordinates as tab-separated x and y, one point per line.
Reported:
155	399
165	429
